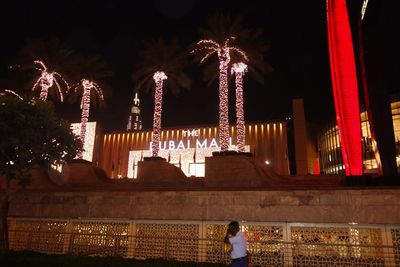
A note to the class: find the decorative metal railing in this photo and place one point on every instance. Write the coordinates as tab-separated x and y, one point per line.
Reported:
268	244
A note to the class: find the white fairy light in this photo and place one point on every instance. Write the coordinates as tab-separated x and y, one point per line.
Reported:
90	136
239	69
159	78
47	80
224	55
13	93
88	87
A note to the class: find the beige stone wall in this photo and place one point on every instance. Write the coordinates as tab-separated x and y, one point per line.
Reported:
379	206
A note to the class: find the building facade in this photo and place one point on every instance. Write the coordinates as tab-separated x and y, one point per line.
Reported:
331	161
92	140
187	148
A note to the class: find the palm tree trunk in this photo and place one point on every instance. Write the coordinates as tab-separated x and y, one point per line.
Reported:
84	117
159	78
240	112
223	105
43	92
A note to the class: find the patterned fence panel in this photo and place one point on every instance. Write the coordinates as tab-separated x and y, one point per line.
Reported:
337	246
263	245
99	238
396	244
268	244
45	236
167	240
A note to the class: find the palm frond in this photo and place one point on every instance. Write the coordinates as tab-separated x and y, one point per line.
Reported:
95	69
246	44
160	55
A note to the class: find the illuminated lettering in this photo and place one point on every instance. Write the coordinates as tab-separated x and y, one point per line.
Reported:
180	145
201	145
213	143
193	132
171	145
165	145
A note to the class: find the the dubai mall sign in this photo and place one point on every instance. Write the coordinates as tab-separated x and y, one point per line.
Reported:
185	144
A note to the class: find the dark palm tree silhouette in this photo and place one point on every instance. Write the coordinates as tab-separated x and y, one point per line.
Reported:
232	43
161	63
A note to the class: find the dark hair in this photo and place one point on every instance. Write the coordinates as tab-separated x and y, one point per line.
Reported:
233	224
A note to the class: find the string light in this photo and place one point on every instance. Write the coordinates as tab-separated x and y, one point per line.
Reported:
239	69
88	87
159	78
47	80
90	135
182	158
224	55
13	93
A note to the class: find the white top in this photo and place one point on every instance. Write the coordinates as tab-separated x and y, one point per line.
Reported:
239	246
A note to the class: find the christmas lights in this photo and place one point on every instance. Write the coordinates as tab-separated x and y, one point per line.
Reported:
47	80
159	78
88	87
239	69
224	55
13	93
182	158
90	136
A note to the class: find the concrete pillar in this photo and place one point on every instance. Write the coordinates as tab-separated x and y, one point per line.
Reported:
300	137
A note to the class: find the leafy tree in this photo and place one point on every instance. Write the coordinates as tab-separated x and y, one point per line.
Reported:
31	136
161	64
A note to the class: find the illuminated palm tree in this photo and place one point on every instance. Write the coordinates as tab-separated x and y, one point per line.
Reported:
49	57
223	51
92	70
48	80
232	44
239	69
161	64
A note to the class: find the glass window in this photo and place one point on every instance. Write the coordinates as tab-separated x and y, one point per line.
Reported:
197	169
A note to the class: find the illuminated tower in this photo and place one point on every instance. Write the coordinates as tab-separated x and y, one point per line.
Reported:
135	120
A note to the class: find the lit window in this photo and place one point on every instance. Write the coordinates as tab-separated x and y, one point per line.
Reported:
197	169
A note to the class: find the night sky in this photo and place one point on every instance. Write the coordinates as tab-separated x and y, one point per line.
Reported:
296	31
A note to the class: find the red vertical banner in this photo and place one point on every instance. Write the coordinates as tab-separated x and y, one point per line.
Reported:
344	84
